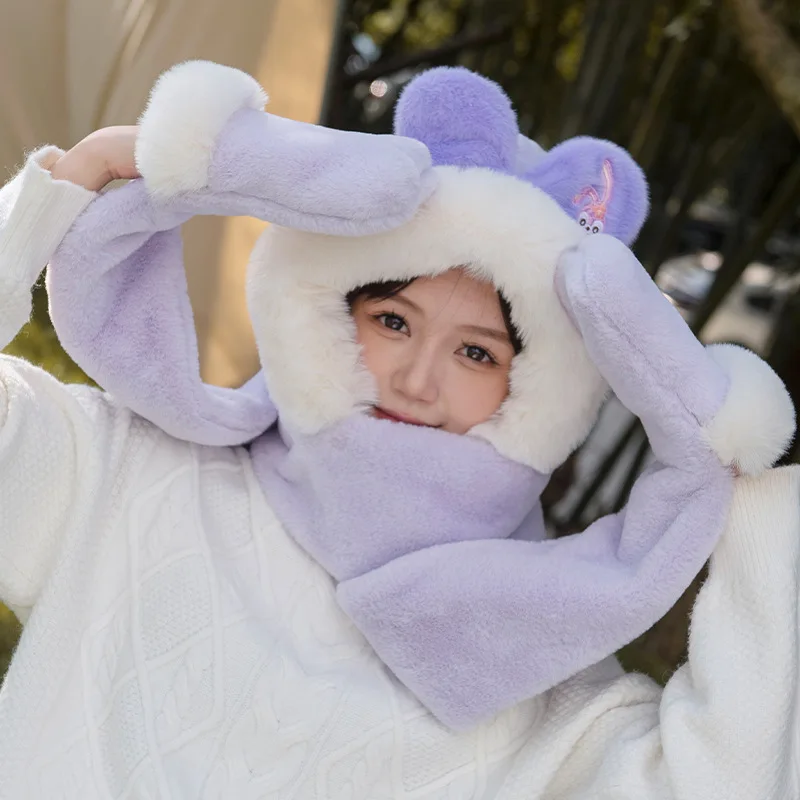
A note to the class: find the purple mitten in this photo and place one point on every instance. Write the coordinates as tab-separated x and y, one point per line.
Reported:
475	627
691	399
205	131
117	287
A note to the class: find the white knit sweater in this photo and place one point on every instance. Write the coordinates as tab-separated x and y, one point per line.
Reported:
179	644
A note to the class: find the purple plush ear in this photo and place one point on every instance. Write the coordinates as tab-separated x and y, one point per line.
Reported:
464	119
597	183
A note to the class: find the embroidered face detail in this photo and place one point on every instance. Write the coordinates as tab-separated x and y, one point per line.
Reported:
594	207
439	349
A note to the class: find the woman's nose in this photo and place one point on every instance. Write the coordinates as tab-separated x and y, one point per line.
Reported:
416	378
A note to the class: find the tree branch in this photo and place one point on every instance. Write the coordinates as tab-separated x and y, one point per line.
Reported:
487	36
772	53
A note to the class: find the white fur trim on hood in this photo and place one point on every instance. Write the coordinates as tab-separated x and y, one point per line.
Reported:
501	229
189	106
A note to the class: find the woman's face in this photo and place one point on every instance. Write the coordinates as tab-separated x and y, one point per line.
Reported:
439	351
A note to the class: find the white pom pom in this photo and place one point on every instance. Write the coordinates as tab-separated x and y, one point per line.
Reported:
189	106
756	423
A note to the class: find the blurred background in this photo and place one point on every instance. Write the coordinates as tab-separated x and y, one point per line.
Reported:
705	94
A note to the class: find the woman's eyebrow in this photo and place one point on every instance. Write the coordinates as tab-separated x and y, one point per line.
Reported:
401	299
492	333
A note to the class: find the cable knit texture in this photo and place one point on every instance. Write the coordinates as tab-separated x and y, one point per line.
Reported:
181	645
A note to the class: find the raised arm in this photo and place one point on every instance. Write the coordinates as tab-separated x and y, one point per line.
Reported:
725	726
55	441
35	213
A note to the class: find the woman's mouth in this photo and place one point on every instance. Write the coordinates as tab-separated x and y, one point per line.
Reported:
382	413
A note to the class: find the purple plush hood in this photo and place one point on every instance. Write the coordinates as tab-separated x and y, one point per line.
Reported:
497	214
458	186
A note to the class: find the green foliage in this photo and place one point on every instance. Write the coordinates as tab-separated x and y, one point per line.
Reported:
569	55
419	24
37	342
9	634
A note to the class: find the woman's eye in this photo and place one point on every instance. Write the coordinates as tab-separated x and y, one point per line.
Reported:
475	353
392	322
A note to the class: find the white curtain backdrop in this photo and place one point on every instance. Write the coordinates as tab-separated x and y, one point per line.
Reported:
68	67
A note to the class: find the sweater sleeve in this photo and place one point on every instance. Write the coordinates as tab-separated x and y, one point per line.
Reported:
723	725
36	211
55	440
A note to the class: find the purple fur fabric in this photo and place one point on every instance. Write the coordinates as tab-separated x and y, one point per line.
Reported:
120	305
467	120
354	509
577	164
318	179
464	119
474	627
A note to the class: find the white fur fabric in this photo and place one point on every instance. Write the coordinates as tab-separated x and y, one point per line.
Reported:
189	106
756	423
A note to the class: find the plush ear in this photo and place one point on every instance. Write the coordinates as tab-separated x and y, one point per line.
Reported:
464	119
597	183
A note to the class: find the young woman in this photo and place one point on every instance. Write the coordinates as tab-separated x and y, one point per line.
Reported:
362	603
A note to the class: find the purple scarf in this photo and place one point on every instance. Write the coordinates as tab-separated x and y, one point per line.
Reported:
439	549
